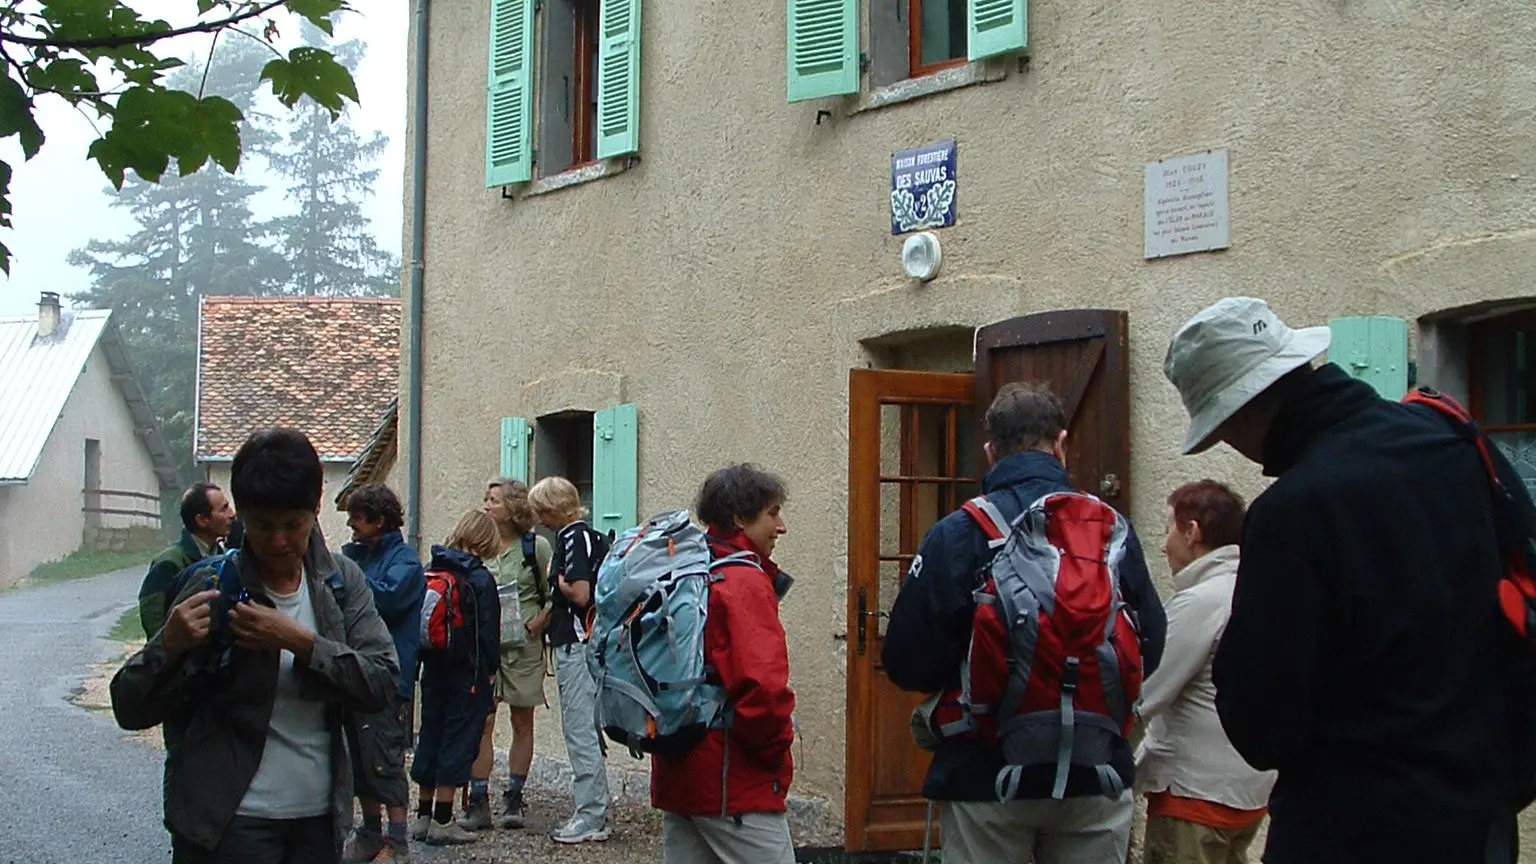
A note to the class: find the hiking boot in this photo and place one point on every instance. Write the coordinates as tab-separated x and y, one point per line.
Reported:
577	831
513	813
393	853
451	834
478	817
362	846
419	827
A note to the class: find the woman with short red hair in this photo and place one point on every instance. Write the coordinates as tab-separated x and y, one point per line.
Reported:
1204	802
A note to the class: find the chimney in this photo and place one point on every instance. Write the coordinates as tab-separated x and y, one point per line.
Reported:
48	314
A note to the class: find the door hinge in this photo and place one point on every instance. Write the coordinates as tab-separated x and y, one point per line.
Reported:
860	627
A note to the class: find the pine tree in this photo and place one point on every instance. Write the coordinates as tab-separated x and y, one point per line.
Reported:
328	244
196	236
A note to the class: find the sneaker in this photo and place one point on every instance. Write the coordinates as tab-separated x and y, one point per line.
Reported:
451	834
419	827
362	846
393	853
577	831
478	817
513	813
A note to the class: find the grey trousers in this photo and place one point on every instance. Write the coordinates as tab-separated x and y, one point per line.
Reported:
578	719
761	838
1092	830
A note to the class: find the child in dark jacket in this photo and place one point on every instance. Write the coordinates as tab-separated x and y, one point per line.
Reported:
456	685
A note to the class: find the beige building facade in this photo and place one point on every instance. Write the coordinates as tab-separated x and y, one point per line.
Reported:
734	281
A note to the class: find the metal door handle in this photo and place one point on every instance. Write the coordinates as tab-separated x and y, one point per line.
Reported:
1109	487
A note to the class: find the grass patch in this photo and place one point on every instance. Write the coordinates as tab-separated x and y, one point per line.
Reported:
81	565
128	628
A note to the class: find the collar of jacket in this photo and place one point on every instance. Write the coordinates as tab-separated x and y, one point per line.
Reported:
192	548
1023	467
457	560
380	547
722	544
1328	398
1218	561
317	561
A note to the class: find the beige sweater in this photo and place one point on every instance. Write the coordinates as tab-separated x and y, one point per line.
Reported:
1185	751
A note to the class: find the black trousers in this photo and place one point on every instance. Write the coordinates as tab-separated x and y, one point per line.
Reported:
248	840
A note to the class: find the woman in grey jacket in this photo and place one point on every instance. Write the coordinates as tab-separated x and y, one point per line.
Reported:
262	652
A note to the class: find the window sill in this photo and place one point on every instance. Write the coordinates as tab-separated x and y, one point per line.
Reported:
943	81
583	174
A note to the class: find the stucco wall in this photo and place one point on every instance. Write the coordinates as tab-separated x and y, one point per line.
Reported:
1380	163
42	520
333	523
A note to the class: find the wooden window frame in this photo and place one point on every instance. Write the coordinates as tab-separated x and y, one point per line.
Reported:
589	17
1477	344
915	66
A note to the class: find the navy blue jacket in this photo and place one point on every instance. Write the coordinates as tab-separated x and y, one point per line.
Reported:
480	653
395	575
930	628
1365	659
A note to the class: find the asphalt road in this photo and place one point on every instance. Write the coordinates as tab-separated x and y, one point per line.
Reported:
75	790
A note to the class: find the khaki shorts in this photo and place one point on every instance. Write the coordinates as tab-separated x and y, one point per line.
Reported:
520	680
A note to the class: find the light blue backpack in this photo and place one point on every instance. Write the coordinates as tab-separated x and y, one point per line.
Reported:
647	647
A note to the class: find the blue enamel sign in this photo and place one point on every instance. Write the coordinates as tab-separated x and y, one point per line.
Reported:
923	188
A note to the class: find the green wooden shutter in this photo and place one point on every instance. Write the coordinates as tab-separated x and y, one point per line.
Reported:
509	94
997	27
1374	349
823	48
618	79
615	481
514	448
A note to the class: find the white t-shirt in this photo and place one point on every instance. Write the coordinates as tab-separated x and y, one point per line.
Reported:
294	779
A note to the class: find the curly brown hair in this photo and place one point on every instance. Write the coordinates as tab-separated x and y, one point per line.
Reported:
376	502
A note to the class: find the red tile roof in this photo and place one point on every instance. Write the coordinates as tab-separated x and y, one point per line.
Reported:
327	366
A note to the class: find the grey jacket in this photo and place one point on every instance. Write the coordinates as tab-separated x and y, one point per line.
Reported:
353	666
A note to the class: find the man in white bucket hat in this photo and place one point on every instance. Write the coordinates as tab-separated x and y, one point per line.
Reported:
1364	658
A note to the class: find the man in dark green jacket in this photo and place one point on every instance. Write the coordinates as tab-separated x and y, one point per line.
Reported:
205	520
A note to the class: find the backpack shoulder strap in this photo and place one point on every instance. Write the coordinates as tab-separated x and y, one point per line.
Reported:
1462	422
742	557
989	519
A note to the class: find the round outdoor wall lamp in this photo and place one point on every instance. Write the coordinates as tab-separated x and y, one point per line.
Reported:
921	256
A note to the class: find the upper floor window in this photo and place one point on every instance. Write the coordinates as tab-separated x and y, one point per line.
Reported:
588	86
907	39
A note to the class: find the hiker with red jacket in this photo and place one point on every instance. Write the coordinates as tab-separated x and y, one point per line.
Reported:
993	811
749	763
1366	658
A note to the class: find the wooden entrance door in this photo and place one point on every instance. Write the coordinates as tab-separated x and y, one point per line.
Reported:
914	443
1081	355
911	460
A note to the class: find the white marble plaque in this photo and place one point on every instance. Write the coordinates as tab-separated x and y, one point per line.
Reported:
1185	205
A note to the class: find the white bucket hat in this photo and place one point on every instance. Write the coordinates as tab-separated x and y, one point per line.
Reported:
1229	353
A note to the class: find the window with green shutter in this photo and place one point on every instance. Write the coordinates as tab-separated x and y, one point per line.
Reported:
615	475
1374	349
823	48
509	92
514	448
914	38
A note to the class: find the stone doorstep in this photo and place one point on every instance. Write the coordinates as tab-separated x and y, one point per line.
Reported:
810	819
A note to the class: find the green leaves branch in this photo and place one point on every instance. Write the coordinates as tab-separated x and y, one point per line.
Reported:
67	48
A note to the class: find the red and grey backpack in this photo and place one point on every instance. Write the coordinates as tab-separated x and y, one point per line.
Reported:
442	611
1514	520
1054	666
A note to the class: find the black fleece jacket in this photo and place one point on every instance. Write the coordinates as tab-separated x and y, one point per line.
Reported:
1365	658
930	628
